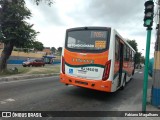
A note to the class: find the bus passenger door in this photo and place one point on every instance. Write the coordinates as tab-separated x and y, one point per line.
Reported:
120	63
118	60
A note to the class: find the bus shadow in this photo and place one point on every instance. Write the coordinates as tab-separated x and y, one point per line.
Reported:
84	93
92	94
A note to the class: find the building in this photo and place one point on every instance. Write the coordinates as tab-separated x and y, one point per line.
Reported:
47	50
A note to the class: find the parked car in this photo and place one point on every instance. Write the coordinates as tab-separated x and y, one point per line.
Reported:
33	62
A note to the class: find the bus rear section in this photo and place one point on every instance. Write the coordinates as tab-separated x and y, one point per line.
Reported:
85	61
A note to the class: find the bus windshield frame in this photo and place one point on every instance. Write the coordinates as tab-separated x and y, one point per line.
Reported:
90	29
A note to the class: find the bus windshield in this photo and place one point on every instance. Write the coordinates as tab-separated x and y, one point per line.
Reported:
88	40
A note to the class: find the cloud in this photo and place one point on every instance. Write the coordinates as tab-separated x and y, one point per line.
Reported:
114	12
126	16
45	14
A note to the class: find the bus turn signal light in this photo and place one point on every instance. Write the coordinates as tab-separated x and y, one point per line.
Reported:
106	70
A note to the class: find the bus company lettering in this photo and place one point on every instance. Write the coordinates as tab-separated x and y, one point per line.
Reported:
81	45
82	60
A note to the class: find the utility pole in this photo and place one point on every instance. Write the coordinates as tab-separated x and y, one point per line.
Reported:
148	21
155	94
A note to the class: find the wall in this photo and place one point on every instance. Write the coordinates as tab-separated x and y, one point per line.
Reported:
23	54
18	57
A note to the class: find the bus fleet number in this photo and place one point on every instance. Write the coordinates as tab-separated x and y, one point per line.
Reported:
89	69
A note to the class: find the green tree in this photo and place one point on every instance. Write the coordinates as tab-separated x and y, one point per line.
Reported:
133	43
49	2
53	49
15	31
137	56
38	45
142	60
59	50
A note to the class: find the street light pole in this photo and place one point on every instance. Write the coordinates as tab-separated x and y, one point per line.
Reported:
145	83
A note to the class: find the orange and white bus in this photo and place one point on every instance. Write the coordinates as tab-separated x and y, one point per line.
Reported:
96	58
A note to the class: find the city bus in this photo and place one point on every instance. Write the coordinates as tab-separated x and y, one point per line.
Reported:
97	58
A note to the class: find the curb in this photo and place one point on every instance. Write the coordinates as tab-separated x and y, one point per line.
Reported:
20	77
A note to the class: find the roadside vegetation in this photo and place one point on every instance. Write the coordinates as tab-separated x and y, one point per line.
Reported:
14	30
47	69
138	58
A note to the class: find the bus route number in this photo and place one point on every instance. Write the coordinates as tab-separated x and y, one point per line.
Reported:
99	35
89	69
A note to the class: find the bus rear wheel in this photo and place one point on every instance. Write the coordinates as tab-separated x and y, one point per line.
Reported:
133	72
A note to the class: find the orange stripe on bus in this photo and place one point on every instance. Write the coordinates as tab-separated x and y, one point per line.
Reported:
99	58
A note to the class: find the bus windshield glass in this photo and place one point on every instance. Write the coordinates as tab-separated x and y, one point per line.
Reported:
92	40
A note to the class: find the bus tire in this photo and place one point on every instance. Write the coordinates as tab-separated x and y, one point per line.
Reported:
124	82
133	72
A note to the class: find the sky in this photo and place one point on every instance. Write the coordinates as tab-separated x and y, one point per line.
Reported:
126	16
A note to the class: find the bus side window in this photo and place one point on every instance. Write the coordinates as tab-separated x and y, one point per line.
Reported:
127	53
116	49
130	55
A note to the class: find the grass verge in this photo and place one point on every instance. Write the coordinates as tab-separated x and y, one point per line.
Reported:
47	69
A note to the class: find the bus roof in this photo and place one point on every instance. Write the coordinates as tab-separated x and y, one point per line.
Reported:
124	40
89	28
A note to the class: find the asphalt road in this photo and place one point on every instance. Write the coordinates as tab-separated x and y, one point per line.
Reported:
48	94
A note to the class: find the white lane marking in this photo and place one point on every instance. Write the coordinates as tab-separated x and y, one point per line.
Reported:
2	102
150	78
140	72
28	80
10	100
7	100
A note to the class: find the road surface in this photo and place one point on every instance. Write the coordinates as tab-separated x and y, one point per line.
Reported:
48	94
